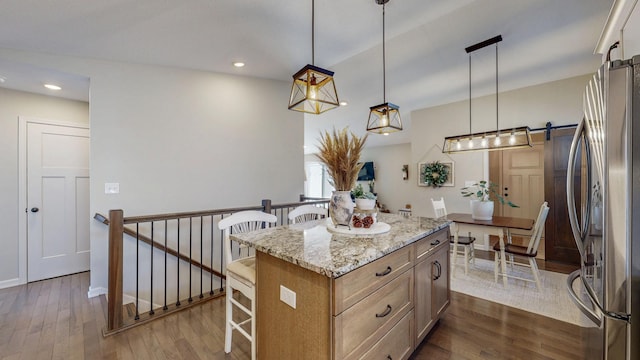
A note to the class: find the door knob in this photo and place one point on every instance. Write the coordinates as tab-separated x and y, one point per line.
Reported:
34	209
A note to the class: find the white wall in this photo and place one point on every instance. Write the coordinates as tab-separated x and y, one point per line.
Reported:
392	191
13	104
559	102
631	33
179	140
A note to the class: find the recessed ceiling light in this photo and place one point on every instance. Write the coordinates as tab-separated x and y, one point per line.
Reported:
343	103
238	64
2	79
52	87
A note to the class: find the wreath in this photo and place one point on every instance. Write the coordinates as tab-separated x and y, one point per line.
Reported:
435	174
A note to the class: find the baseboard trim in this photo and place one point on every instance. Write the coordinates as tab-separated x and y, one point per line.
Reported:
93	292
144	305
10	283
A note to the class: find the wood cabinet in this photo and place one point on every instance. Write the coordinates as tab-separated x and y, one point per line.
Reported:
395	344
378	311
432	282
441	282
355	285
364	324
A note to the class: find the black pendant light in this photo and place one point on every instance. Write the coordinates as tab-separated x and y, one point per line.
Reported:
384	118
488	140
313	90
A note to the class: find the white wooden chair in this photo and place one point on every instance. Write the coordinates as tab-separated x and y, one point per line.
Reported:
523	253
405	212
241	273
307	213
465	243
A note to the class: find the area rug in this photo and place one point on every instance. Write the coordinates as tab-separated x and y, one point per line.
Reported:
553	301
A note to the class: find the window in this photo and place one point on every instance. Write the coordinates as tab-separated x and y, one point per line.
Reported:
316	180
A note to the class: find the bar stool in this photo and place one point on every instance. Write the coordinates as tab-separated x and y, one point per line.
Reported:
241	273
307	213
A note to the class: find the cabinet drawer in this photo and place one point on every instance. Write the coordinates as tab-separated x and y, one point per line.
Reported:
397	344
429	243
363	324
352	287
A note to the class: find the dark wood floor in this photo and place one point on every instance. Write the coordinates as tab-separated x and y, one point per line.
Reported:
477	329
54	319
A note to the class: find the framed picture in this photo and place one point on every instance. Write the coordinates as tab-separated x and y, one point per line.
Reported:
436	168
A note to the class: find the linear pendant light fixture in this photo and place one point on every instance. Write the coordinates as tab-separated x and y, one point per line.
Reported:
313	90
384	118
488	140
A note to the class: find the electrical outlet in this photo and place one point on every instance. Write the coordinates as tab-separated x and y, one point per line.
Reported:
288	296
111	188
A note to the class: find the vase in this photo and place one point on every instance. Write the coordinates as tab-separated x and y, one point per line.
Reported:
341	208
481	210
365	204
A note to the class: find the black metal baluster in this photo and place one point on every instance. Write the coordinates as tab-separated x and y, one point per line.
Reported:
151	312
190	245
221	252
201	250
211	259
165	266
178	268
137	270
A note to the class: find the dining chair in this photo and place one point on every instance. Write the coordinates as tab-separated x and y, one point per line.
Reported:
241	273
465	243
524	256
307	213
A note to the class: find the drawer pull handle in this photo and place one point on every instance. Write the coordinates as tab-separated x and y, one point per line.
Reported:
386	312
438	270
389	357
386	272
434	243
434	273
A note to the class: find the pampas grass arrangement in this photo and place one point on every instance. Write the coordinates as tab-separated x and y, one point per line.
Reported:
340	152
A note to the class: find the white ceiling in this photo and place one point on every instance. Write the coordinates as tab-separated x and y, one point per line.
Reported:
426	65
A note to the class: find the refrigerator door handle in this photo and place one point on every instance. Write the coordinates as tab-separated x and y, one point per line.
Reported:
592	315
571	198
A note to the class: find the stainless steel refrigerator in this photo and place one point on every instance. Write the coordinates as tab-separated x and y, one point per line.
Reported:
604	211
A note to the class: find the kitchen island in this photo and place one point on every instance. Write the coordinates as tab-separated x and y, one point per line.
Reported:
322	295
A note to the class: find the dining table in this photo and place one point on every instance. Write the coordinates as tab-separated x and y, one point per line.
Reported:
498	226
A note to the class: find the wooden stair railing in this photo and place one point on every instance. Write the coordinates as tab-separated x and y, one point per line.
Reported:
119	315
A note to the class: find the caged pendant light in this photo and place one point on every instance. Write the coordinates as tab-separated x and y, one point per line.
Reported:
313	90
384	118
489	140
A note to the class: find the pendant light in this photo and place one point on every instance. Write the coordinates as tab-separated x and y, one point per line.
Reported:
313	90
491	140
384	118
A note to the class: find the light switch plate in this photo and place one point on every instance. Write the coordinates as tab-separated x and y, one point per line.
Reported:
288	296
111	188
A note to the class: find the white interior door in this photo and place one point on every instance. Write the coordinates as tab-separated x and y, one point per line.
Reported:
58	200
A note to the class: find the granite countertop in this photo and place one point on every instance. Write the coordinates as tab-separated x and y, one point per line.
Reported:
311	246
